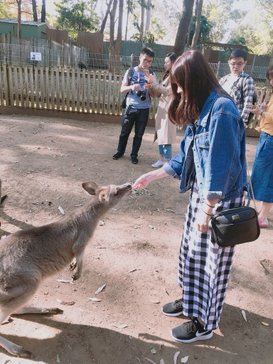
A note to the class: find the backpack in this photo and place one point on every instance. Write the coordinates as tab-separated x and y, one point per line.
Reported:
129	79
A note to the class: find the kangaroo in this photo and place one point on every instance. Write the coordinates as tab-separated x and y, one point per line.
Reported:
29	256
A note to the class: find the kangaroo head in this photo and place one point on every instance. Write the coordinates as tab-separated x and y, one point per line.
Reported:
110	194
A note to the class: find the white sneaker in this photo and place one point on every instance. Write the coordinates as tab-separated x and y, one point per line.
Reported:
158	164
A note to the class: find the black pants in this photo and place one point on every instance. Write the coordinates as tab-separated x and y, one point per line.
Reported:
139	117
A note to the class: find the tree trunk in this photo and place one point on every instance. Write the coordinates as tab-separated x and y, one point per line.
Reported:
199	6
120	22
19	19
43	11
127	21
183	28
103	23
148	16
142	15
34	10
112	36
119	36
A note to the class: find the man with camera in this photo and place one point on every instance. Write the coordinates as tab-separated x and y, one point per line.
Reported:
138	103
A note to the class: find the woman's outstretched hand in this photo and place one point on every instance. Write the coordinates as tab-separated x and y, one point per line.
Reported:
144	180
141	182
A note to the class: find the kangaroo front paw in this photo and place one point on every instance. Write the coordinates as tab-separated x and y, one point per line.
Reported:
52	311
76	276
73	265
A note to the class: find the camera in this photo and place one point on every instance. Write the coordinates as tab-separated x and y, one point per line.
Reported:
142	95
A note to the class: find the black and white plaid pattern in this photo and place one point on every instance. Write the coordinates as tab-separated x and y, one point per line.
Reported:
204	267
242	91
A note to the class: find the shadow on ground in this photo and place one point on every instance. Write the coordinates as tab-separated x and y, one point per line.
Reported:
86	344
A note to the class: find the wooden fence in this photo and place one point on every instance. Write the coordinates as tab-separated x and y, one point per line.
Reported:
62	89
69	89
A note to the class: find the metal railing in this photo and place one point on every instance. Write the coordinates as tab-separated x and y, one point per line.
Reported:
66	55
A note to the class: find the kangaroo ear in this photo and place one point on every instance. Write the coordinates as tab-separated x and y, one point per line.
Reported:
90	187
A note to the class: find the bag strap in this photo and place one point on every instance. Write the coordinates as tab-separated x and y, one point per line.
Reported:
130	75
251	187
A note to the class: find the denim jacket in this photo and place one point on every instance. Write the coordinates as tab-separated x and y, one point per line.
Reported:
213	152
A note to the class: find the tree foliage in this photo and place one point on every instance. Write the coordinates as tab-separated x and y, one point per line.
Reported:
148	28
77	15
256	27
5	12
267	6
10	9
219	14
204	34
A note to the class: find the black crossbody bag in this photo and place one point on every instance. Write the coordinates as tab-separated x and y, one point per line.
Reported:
237	225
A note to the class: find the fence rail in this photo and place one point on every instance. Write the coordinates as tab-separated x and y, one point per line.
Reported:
61	89
69	89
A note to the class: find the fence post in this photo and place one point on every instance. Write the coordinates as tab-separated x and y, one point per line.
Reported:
8	96
218	69
253	64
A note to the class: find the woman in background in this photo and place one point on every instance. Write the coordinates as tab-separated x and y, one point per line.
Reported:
262	172
165	131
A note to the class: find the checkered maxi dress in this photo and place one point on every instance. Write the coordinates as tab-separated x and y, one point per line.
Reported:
204	267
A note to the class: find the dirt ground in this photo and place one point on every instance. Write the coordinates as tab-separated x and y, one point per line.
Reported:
134	252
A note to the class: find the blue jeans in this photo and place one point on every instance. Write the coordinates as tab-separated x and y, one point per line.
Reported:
165	150
131	117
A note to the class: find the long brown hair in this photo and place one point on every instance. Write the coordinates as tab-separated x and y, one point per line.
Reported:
193	75
172	57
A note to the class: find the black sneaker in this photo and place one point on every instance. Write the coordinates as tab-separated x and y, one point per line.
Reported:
173	309
190	332
134	160
117	155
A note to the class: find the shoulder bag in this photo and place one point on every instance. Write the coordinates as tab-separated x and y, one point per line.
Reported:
235	226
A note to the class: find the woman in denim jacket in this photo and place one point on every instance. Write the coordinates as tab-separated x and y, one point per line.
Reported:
211	163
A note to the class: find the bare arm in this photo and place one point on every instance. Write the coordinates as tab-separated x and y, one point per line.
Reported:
207	208
124	88
149	177
262	110
205	215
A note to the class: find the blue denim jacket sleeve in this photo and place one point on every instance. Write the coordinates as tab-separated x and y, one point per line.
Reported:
217	157
220	152
176	165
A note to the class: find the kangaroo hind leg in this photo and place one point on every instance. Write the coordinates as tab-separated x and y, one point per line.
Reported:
8	345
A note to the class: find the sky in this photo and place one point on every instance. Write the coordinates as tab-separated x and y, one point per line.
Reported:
50	7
